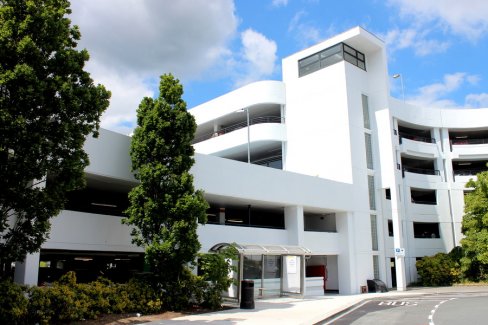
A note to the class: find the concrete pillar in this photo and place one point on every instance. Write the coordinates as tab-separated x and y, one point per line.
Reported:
450	179
294	224
27	272
222	216
346	260
398	240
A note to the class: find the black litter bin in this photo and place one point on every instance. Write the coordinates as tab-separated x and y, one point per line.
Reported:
376	285
247	294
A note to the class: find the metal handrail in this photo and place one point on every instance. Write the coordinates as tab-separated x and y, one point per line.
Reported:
415	138
266	160
468	172
240	125
468	141
420	171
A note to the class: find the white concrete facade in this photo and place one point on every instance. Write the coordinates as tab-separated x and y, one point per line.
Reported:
349	203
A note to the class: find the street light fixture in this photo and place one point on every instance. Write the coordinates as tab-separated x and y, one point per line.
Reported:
396	76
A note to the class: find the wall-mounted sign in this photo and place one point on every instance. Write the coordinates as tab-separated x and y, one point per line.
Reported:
400	251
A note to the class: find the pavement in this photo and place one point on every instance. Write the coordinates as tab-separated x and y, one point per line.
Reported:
308	310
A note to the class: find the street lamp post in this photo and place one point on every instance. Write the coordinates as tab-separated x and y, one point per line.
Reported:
396	76
248	133
248	138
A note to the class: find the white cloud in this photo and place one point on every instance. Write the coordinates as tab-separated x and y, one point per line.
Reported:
258	57
477	100
133	41
305	32
398	39
127	93
279	3
432	95
468	18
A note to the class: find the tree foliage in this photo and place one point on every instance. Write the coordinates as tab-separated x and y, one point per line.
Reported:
475	229
48	106
165	208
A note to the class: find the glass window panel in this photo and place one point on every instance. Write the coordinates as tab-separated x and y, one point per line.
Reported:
350	50
366	120
331	60
329	57
309	60
252	267
309	69
372	197
374	232
351	59
376	266
272	267
369	150
330	51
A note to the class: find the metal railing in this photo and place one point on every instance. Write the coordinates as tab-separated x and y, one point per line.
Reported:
415	138
468	172
468	141
240	125
266	161
420	171
416	201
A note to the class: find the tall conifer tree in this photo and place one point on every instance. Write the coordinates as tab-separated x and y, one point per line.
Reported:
165	208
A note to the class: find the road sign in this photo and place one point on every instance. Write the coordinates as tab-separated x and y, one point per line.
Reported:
400	252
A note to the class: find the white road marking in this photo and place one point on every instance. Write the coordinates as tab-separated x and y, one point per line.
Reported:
398	303
432	312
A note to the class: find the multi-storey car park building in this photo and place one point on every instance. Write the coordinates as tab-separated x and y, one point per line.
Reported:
324	162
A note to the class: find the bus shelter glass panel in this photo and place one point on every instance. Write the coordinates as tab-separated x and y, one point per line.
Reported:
252	268
271	275
292	277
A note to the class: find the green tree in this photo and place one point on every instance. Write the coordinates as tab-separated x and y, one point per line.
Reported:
475	229
165	208
48	106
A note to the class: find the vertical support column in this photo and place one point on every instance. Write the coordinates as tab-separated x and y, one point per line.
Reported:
240	277
222	216
346	263
302	276
444	135
27	272
283	143
440	165
398	238
294	224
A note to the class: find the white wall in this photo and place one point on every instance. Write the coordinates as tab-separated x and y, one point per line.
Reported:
109	155
267	91
87	231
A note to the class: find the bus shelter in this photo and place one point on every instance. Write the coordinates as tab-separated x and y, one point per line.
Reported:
277	270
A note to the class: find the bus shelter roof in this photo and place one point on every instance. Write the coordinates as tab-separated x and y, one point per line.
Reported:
257	249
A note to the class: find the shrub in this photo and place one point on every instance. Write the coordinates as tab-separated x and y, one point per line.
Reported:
13	303
141	297
215	269
440	269
68	303
39	309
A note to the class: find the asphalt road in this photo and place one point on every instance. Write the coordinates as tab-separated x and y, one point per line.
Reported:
449	308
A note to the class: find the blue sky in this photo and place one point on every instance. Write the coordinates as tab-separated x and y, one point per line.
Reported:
214	46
